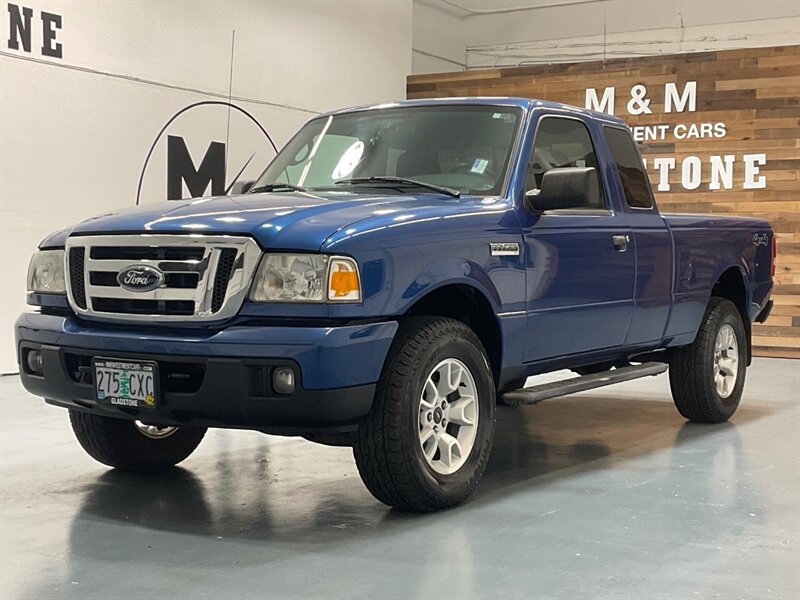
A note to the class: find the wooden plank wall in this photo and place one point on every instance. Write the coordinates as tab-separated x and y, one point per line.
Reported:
754	92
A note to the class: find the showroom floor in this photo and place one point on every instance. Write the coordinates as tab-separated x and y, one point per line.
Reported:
606	494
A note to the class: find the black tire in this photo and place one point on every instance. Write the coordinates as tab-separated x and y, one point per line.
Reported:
120	443
691	372
387	447
339	440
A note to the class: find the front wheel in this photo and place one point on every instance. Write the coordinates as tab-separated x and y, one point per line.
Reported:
133	445
707	378
427	439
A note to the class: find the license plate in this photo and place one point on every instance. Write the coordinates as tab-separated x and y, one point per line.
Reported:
125	383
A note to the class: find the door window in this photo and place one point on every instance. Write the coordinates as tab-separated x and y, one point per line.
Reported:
631	170
560	143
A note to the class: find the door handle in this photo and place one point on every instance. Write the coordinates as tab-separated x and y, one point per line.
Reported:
621	242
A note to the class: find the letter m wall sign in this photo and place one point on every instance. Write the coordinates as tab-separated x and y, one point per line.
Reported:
181	169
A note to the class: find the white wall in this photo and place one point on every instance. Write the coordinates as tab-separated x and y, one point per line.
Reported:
632	28
74	132
438	40
499	34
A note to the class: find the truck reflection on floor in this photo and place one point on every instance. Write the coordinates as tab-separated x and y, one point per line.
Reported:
587	463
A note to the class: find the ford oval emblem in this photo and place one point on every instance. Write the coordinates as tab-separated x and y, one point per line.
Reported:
140	278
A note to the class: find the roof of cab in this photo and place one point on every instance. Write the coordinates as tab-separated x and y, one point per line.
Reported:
527	104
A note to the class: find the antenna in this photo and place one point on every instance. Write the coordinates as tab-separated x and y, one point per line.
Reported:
230	97
239	174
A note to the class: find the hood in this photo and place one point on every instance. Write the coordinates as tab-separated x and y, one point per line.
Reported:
286	221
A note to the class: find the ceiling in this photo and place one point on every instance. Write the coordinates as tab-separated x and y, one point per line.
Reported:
471	8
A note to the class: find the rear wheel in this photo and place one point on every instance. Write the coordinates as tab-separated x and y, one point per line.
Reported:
707	378
134	445
427	439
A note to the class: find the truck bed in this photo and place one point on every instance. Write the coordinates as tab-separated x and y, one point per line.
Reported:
702	244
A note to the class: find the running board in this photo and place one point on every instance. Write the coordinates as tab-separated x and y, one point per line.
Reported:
537	393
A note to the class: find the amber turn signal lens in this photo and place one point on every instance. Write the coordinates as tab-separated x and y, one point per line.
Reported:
343	281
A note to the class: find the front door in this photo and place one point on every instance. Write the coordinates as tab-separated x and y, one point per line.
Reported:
581	263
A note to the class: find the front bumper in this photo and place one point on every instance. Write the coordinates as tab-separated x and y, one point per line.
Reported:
216	378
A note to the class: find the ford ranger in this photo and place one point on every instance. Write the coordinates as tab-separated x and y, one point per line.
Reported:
394	273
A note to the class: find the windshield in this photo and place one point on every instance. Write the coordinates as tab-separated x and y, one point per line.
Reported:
466	148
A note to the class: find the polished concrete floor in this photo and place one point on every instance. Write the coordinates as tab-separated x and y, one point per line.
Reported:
605	494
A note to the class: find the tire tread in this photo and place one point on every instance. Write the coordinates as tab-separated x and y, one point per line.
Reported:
380	450
688	374
116	443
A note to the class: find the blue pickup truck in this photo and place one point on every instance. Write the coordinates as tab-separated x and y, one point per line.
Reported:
394	273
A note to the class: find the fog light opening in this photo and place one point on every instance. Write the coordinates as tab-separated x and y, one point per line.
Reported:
283	380
33	360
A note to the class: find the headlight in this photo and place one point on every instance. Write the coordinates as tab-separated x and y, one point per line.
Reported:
46	272
306	278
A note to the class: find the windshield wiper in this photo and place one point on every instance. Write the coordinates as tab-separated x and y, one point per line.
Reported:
401	180
279	187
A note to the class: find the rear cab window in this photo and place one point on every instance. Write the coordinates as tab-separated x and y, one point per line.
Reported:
632	175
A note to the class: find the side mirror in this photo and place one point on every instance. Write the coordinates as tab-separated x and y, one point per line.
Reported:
241	187
568	187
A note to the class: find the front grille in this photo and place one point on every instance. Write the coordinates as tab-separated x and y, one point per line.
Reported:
146	253
143	307
201	277
171	280
76	277
224	269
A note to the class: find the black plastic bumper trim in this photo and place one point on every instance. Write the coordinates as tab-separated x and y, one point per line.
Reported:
223	398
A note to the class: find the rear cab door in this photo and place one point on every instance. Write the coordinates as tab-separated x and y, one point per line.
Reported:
580	262
652	239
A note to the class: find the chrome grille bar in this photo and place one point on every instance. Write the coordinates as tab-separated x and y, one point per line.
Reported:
96	291
167	266
184	302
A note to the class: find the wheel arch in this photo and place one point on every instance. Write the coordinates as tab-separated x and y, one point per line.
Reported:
731	284
468	304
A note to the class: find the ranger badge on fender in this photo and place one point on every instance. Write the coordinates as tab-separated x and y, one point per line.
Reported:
504	249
